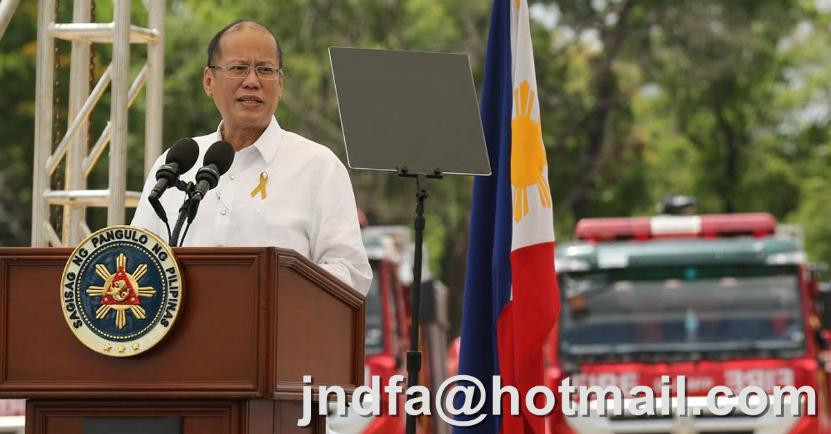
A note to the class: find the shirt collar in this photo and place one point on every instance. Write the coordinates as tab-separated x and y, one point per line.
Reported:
268	141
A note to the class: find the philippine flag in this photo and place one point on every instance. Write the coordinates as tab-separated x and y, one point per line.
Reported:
511	299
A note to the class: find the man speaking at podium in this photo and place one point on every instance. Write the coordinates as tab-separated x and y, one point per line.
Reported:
282	190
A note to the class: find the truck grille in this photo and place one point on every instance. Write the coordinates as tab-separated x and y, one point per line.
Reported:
698	420
700	432
726	432
626	417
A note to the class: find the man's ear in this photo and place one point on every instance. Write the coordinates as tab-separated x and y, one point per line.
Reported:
280	85
207	81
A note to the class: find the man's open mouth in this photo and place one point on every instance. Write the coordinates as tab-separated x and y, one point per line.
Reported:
250	100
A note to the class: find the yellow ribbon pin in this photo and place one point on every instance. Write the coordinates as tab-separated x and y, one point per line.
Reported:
260	188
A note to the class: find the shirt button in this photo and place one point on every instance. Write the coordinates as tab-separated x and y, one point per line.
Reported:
232	177
223	212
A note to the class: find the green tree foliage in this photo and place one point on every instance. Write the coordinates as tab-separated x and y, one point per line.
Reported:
17	81
724	101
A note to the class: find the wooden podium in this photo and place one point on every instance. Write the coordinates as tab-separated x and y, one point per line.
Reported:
254	322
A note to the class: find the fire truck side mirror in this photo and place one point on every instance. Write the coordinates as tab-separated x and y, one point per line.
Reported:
824	339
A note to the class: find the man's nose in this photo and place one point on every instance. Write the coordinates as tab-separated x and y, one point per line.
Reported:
252	80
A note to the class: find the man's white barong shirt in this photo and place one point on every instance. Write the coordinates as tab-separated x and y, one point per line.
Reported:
308	204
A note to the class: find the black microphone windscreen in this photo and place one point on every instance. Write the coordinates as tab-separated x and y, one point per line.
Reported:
184	153
221	154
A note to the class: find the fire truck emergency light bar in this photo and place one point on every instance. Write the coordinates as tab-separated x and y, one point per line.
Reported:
671	226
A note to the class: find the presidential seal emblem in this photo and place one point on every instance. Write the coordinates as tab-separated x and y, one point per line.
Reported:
121	291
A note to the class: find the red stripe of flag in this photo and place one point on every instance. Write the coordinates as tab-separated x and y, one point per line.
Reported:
522	329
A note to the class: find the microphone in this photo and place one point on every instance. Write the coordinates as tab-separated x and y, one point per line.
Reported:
180	158
217	161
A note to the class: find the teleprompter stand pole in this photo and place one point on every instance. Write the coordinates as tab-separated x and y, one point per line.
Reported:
414	355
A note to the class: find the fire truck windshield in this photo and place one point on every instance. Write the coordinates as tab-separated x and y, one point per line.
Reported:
682	313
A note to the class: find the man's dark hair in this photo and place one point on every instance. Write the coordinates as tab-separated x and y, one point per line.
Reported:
213	46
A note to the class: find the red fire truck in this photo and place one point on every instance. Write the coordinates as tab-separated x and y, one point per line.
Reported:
718	299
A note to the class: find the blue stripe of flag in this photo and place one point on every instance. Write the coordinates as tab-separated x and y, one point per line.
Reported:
488	277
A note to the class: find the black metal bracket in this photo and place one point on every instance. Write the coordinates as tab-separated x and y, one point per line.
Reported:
185	210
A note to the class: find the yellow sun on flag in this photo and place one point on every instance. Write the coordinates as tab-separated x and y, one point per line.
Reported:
527	152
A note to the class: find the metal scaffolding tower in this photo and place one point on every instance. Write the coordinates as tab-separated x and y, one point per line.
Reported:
72	149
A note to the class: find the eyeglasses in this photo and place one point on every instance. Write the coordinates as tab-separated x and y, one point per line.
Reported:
241	71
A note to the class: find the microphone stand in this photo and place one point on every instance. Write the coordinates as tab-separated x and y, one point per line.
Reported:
185	212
